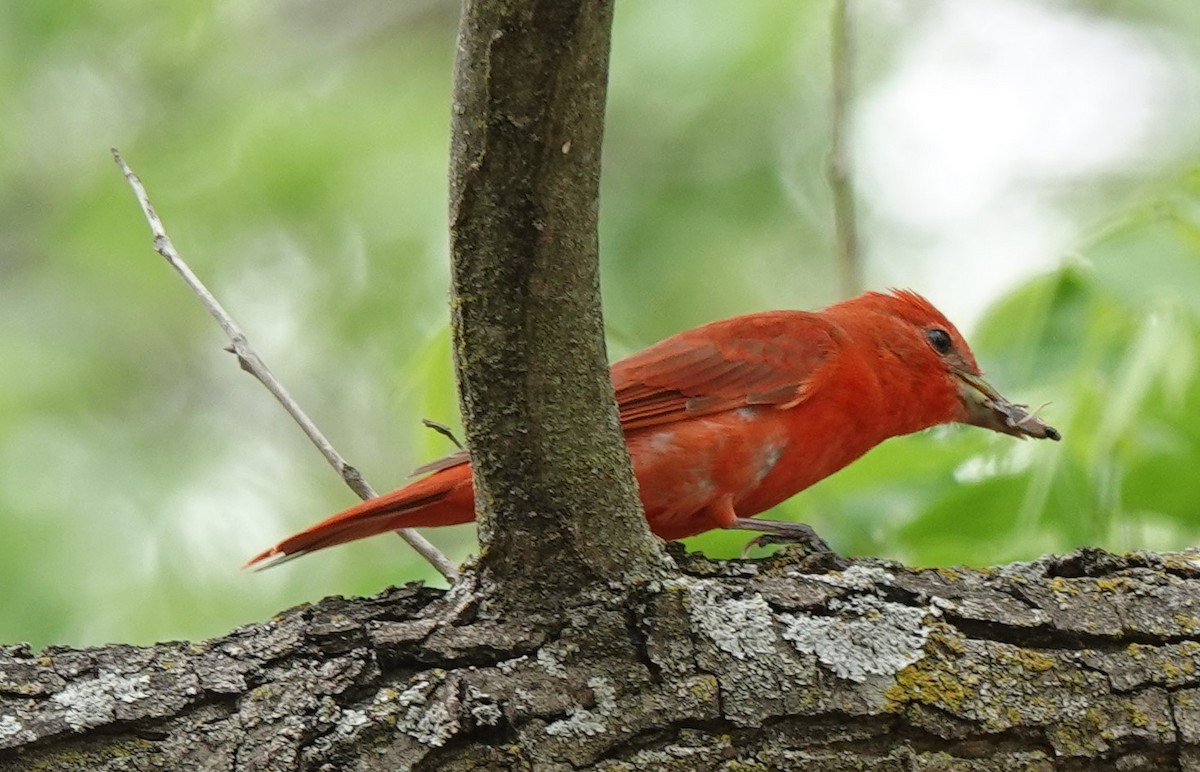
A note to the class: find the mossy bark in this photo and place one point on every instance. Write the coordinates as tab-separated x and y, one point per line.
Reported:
558	510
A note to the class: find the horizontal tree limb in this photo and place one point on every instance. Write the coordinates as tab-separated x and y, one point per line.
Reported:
1084	661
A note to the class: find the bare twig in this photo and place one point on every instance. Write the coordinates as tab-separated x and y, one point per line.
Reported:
443	430
251	363
840	163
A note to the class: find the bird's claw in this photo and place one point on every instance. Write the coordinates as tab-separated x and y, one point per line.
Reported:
778	532
814	545
818	556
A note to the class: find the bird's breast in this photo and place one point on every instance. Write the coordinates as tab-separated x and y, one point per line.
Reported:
685	466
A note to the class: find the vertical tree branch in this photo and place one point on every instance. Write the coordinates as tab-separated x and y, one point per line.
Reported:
840	161
557	501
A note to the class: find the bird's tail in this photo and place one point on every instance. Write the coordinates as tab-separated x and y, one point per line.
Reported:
446	497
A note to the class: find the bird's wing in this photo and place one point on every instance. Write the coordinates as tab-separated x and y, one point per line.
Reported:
772	358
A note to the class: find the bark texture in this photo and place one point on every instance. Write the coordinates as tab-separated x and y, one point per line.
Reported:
1087	661
557	503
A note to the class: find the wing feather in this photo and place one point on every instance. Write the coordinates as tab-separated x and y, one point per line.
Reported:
770	358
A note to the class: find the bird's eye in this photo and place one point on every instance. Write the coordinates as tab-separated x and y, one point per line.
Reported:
939	339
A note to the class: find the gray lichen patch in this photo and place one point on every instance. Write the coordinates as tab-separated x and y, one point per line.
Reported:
426	716
742	627
858	577
737	639
92	703
553	657
483	707
350	720
12	732
588	722
867	636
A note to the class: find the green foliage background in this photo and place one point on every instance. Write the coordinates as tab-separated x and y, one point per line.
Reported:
297	153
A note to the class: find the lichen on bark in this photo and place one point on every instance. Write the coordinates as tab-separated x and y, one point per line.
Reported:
698	672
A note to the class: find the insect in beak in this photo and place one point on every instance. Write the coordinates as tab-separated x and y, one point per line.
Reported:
986	407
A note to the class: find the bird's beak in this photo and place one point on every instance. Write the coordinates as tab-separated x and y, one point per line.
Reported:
987	408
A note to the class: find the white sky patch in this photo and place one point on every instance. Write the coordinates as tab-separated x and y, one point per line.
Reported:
992	109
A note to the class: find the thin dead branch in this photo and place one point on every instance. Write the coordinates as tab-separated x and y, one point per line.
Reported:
250	361
841	181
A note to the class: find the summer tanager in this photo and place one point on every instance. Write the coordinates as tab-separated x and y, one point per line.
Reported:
727	420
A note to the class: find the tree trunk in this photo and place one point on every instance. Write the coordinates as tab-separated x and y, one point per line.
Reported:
557	506
1082	662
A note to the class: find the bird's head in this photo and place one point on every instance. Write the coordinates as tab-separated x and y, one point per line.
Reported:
916	334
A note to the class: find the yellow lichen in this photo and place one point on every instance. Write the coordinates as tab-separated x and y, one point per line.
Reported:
1187	623
948	573
1036	661
705	689
947	638
918	683
1063	586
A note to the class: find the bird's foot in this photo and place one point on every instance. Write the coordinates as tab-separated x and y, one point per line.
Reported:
767	539
781	532
799	534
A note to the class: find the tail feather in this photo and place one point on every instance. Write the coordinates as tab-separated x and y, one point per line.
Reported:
444	498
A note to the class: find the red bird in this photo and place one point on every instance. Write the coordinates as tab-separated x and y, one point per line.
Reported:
727	420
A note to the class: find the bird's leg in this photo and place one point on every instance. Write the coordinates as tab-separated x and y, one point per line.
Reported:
780	532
